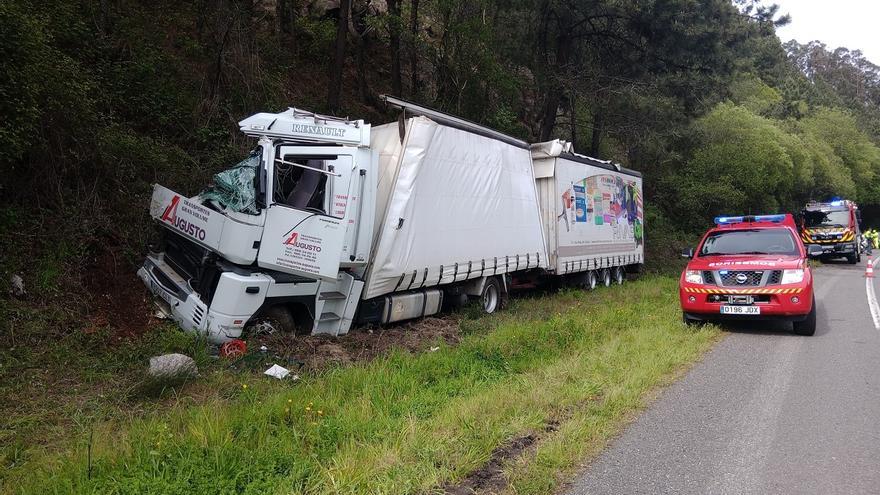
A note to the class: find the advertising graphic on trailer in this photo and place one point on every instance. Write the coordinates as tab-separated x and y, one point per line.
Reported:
598	212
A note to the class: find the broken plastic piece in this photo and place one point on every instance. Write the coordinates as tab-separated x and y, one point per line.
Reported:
279	372
233	349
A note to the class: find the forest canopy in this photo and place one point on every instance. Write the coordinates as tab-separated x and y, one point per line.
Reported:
102	99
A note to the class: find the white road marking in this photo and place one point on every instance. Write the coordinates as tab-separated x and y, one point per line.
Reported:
872	298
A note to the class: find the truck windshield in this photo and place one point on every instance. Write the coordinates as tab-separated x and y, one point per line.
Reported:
754	241
839	218
299	187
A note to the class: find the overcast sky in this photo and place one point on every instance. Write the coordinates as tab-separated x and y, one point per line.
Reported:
854	24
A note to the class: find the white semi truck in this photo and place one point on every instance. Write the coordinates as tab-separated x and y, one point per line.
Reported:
334	222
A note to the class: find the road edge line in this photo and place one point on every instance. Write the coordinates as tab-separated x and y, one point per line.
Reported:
872	298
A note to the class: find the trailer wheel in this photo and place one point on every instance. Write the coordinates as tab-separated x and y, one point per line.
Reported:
490	299
592	280
606	277
619	275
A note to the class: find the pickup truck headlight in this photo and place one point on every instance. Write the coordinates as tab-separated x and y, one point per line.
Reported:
693	277
792	276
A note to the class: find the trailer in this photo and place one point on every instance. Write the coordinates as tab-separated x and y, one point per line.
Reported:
592	213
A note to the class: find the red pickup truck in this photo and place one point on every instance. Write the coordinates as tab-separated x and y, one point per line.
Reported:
750	267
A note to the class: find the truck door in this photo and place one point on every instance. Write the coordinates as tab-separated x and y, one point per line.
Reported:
305	224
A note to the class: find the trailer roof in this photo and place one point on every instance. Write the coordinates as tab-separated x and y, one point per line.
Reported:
563	149
413	109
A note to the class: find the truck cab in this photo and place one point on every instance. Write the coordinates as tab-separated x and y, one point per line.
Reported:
834	227
305	231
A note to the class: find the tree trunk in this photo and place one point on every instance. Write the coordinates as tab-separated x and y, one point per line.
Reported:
598	124
414	51
394	32
554	94
339	62
572	109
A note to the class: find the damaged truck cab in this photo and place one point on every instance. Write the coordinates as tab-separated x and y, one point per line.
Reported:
217	267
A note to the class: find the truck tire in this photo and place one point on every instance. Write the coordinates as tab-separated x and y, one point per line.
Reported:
491	299
619	275
806	327
275	319
592	280
851	259
606	277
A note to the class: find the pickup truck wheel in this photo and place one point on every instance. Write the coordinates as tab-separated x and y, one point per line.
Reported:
851	258
490	299
690	321
806	327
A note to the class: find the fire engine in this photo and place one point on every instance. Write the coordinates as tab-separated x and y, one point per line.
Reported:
834	227
750	267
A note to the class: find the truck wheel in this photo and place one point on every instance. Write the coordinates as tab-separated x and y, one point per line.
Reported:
275	319
619	275
490	299
606	277
808	326
690	321
851	258
592	280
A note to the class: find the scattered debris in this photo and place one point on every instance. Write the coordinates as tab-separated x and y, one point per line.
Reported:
233	349
17	289
435	349
172	366
278	372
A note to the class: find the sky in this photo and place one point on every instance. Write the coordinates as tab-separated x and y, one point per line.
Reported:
854	24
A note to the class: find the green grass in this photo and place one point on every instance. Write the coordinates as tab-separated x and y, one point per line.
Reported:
404	423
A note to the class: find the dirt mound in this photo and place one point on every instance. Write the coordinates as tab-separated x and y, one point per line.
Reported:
118	297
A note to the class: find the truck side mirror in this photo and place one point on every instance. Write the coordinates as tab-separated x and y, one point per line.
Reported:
687	253
814	250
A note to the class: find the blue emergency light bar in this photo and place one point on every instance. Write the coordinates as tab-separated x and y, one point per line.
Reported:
749	219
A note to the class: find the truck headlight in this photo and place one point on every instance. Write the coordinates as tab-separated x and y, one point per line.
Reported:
792	276
693	277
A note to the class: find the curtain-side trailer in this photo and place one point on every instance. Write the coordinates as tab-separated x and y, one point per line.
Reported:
592	213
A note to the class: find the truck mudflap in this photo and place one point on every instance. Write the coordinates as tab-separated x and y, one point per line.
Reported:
185	307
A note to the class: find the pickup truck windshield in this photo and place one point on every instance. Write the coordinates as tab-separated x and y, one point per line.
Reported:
838	218
753	241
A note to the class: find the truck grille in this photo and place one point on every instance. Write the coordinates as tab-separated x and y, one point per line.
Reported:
735	278
708	278
775	277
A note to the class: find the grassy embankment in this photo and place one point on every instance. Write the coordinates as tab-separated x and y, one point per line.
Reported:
564	371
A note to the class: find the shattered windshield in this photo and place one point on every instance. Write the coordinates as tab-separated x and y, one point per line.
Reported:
234	188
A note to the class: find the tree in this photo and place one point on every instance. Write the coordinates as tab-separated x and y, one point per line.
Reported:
338	66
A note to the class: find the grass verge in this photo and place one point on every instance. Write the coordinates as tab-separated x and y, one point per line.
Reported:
406	423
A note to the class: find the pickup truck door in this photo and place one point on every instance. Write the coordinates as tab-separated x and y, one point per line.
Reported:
306	223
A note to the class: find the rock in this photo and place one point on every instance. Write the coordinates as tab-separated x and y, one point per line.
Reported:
172	366
17	286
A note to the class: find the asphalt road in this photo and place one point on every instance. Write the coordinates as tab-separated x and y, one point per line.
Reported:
765	412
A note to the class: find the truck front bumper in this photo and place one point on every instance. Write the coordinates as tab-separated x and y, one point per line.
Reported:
185	306
837	248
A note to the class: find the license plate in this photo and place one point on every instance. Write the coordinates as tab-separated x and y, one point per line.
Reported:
160	291
740	310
